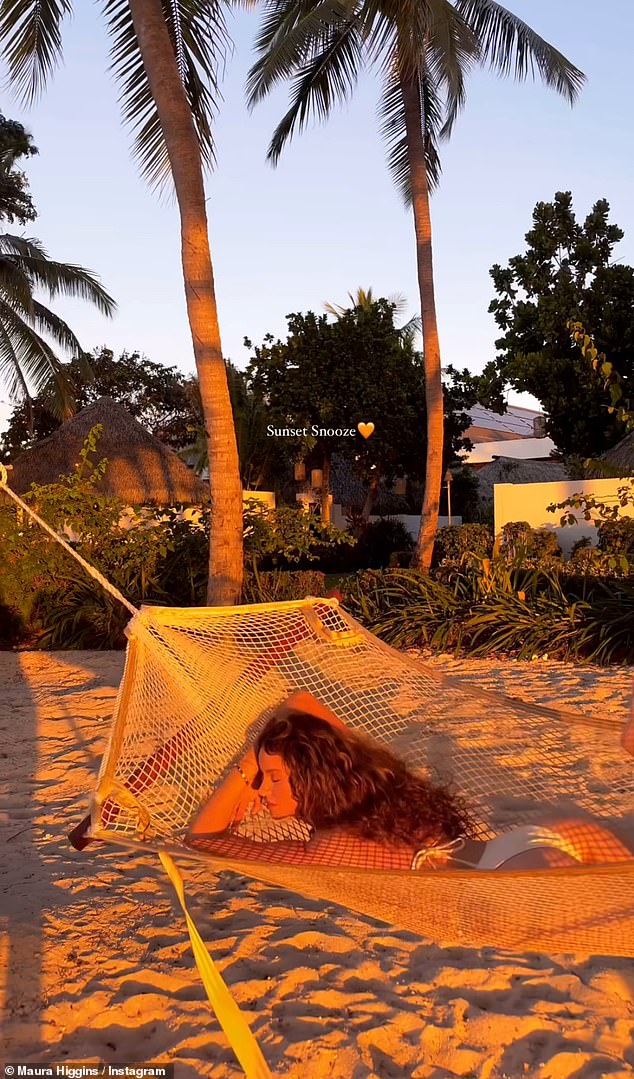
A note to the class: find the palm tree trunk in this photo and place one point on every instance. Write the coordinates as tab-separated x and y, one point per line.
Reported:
421	558
159	61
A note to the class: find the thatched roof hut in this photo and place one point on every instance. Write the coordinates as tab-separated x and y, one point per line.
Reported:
620	458
141	470
516	470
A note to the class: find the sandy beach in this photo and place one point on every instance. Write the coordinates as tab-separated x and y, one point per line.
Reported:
96	962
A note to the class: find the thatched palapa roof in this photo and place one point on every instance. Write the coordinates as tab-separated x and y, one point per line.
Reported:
516	470
621	457
140	468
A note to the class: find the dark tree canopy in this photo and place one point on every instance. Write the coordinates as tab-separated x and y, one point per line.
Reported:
15	199
567	272
334	374
161	398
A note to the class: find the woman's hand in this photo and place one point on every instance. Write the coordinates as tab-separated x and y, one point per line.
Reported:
249	765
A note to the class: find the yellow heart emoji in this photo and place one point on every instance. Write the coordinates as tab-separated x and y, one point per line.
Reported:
365	429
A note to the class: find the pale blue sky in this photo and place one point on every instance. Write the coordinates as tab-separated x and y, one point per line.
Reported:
328	219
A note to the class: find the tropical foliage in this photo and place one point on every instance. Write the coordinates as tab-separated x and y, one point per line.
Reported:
324	377
491	607
160	398
423	53
30	332
567	272
165	58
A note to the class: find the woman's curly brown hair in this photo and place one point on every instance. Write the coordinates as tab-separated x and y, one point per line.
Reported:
340	778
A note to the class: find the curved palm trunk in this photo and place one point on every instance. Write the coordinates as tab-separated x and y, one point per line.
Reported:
225	556
421	558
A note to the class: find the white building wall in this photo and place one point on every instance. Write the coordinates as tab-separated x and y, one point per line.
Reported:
528	502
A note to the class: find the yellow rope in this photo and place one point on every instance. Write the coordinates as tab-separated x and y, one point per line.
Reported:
229	1015
58	539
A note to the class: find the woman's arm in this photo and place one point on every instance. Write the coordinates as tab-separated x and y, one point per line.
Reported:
221	809
303	701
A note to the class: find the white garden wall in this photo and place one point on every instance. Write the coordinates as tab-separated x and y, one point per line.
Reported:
528	502
411	521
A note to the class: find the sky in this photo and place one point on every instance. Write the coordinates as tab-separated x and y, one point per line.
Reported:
328	219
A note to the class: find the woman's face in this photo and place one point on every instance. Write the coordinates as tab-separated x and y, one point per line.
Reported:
276	787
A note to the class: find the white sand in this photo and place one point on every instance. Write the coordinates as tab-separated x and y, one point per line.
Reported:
96	963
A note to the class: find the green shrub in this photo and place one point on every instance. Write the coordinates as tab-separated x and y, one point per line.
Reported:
617	537
378	542
533	548
400	559
277	586
497	607
596	563
287	537
80	614
183	571
456	542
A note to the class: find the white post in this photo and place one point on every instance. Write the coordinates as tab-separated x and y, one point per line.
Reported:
448	479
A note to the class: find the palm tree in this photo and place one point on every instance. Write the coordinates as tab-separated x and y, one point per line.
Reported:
423	52
27	360
261	459
165	56
364	298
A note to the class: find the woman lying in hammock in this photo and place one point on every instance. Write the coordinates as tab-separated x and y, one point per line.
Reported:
366	808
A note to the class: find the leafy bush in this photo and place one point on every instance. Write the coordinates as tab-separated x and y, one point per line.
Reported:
617	537
455	542
533	548
81	615
276	586
495	608
42	582
379	540
287	536
183	571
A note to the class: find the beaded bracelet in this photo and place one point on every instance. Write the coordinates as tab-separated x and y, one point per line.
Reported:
240	772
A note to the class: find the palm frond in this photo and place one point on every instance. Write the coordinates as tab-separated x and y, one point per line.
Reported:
392	118
45	321
15	285
11	374
290	34
452	50
200	40
26	358
330	75
31	42
511	46
66	279
21	245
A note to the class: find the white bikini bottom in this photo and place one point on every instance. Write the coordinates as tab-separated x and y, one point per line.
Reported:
497	851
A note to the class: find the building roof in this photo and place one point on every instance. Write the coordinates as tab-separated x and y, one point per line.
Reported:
621	456
140	468
489	426
526	449
512	470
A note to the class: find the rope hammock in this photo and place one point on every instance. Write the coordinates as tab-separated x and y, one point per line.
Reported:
200	683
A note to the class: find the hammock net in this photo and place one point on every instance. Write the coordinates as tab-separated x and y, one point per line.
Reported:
200	683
